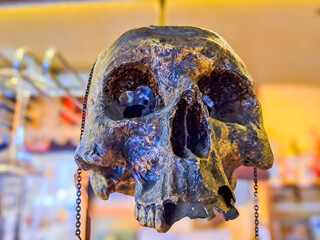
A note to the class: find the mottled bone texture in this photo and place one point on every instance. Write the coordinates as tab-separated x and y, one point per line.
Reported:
171	114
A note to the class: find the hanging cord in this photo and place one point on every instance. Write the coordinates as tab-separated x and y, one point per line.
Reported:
256	207
162	14
79	170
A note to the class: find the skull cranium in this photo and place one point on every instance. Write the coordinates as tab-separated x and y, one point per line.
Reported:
171	114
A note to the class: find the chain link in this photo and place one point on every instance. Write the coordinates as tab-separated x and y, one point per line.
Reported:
256	206
78	201
79	170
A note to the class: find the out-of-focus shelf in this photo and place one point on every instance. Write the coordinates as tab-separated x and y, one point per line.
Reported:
299	209
293	202
315	184
19	168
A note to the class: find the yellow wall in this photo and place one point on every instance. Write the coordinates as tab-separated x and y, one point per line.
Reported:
79	30
291	113
278	40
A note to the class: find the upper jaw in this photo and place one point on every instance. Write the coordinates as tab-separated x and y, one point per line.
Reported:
164	214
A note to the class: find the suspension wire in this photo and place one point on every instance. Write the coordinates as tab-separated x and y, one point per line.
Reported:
162	13
79	170
256	206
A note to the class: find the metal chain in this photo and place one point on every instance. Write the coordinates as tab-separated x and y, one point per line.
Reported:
78	201
256	206
79	170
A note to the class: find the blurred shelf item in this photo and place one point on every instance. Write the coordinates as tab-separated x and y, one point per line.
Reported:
53	54
5	60
19	56
41	109
32	83
20	169
314	223
293	208
50	55
10	80
11	191
39	77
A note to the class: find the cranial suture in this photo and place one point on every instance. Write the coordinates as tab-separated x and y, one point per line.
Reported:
171	114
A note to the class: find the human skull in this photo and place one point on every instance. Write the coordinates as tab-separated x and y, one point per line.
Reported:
171	114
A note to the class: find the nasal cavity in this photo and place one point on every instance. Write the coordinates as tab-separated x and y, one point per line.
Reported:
190	133
198	131
178	131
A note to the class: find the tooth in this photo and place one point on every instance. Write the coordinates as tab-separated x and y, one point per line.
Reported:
136	211
150	219
231	214
158	220
142	216
210	212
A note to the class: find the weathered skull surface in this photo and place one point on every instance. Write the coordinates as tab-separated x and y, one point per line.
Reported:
171	114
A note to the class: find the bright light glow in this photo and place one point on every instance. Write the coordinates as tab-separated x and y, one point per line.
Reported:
14	80
47	201
61	194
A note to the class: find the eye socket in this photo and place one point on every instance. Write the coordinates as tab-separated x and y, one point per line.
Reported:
131	91
133	111
225	95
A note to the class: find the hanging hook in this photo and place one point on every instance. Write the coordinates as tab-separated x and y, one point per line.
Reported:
50	55
19	55
6	61
162	16
18	60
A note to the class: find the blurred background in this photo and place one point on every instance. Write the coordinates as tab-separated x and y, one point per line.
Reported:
47	49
